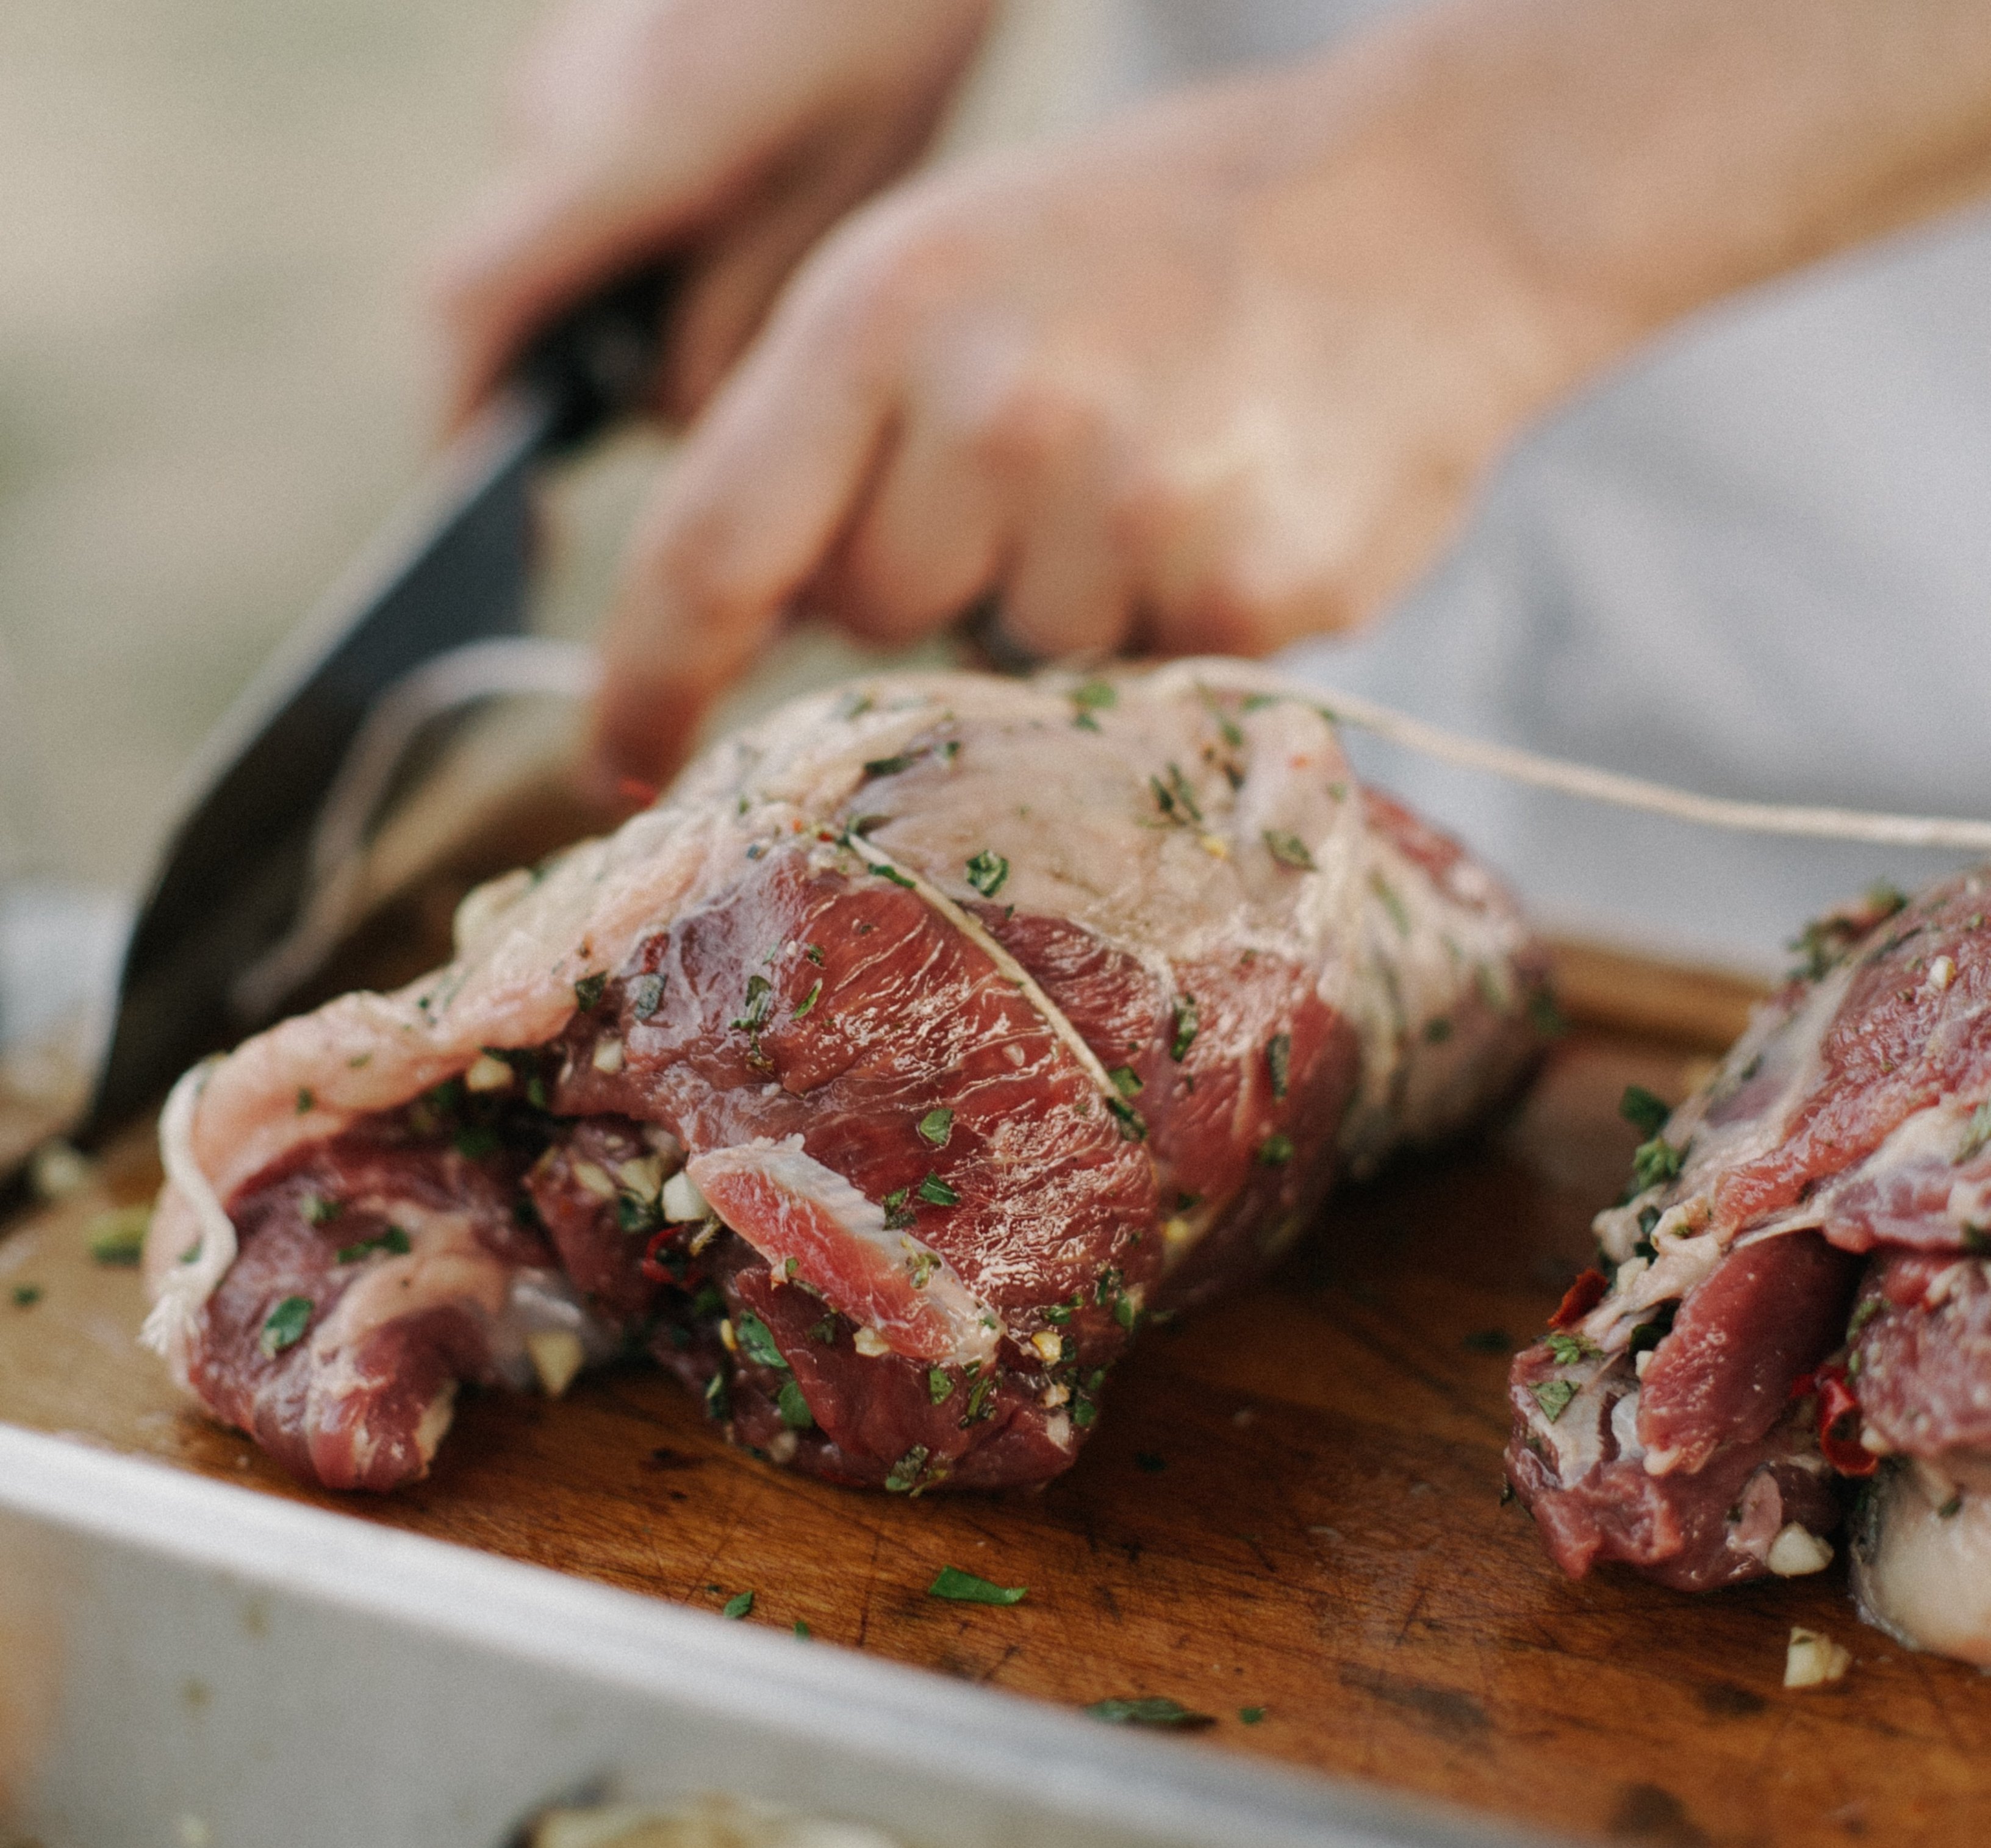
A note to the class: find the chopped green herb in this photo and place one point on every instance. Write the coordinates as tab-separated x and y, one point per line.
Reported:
1276	1148
1126	1080
1862	1316
1289	850
794	1408
1095	696
718	1404
1490	1341
814	952
1438	1030
646	996
1185	1025
808	1002
904	1476
394	1239
26	1296
738	1605
306	1102
922	1268
898	1215
319	1211
1058	1313
936	1126
1553	1396
1278	1061
1251	1716
936	1193
1567	1350
756	1342
940	1384
979	1395
119	1237
1133	1125
1176	797
1976	1133
1125	1313
1227	727
802	1629
986	872
1084	1411
474	1141
1950	1509
1153	1710
759	1002
887	767
285	1325
964	1588
588	991
1399	915
1644	1110
892	873
1655	1162
1257	702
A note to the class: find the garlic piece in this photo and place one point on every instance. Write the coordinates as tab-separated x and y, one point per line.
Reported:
682	1201
1797	1550
557	1356
1811	1660
488	1074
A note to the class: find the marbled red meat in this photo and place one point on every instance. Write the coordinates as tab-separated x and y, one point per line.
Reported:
1847	1136
882	1081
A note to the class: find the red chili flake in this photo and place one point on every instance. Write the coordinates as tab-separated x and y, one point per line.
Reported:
1583	1295
633	789
1838	1420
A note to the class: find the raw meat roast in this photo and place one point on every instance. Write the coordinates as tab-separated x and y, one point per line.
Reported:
1799	1303
879	1082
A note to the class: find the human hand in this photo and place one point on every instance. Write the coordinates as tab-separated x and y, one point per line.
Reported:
730	132
1218	376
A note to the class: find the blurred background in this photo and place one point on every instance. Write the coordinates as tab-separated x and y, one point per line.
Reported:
216	376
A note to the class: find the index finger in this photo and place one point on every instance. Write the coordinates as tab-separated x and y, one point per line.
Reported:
766	484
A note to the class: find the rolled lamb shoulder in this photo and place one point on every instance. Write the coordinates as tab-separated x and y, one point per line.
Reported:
880	1082
1798	1316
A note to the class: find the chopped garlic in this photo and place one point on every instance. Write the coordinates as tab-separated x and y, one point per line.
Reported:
1175	1233
608	1056
682	1201
1049	1343
870	1343
597	1181
1053	1397
644	1179
557	1356
781	1447
1942	973
488	1074
1797	1550
727	1338
1215	846
1812	1659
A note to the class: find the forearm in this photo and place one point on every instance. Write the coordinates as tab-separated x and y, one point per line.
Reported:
1639	159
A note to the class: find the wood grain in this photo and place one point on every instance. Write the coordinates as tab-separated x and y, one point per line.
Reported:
1293	1502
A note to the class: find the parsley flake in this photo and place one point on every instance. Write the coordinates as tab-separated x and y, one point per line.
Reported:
1567	1350
1133	1125
1186	1023
936	1193
936	1126
1275	1150
1153	1710
1289	850
26	1296
738	1606
1126	1080
807	1002
756	1342
394	1239
1226	727
964	1588
1645	1110
887	767
1278	1061
940	1384
306	1102
588	991
898	1215
760	1003
319	1211
892	873
986	872
794	1408
1251	1716
905	1476
1553	1396
1655	1163
285	1325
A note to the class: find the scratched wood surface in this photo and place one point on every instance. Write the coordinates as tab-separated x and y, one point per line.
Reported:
1292	1503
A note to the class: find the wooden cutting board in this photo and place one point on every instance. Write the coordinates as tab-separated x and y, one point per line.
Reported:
1293	1504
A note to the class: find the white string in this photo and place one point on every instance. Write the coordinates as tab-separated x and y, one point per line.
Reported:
1953	833
446	683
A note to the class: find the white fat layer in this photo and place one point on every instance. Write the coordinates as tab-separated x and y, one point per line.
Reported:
1924	1577
786	1166
169	1328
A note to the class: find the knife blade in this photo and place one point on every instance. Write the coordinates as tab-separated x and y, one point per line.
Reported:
452	567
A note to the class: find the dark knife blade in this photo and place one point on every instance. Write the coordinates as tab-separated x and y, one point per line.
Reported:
451	569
